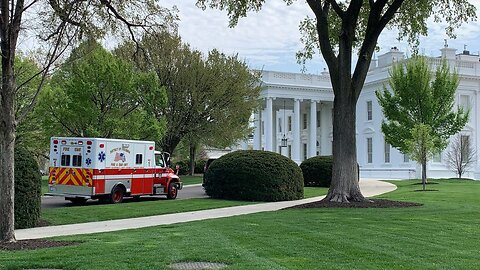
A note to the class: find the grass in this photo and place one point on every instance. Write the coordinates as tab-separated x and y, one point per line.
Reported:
44	184
191	180
442	234
80	214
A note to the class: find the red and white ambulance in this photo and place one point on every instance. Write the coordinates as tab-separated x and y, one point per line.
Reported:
108	169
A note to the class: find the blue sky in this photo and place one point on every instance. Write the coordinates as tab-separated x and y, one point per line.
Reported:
270	38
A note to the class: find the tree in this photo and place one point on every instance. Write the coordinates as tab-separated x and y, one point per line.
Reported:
57	24
337	29
461	154
95	94
419	110
209	97
29	133
421	147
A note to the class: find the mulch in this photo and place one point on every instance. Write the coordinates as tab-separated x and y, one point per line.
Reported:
35	244
375	203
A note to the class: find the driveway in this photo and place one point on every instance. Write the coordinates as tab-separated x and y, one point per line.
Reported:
188	192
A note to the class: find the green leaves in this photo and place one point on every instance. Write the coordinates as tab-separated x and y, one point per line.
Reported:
417	103
96	94
210	97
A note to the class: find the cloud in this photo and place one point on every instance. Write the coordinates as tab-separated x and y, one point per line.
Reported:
270	38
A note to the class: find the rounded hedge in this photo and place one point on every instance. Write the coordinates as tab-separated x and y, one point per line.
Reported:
27	189
254	175
317	171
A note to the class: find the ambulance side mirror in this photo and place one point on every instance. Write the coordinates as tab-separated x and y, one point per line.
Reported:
166	157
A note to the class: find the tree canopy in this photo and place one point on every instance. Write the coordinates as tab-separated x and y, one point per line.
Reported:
210	97
419	109
96	94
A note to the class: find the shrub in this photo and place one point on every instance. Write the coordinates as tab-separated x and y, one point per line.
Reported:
199	165
27	189
317	171
184	166
254	176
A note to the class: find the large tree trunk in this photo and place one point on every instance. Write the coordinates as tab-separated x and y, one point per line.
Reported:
192	159
170	142
344	186
7	143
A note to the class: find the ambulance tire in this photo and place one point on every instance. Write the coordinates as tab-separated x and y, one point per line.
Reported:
172	191
117	194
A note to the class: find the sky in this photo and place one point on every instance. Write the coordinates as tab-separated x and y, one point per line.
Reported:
269	39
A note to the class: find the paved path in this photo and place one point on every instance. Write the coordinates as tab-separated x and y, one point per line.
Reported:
188	192
369	188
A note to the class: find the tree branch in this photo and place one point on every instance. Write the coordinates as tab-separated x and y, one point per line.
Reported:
49	62
337	8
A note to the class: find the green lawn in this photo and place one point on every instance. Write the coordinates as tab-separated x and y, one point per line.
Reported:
442	234
44	184
191	180
80	214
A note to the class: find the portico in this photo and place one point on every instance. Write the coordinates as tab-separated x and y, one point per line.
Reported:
295	107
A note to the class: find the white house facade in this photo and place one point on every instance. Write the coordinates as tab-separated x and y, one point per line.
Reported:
296	117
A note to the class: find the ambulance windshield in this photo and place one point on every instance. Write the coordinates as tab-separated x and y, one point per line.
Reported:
159	161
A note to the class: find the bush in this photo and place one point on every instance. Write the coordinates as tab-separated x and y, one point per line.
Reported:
317	171
254	176
200	165
184	167
27	189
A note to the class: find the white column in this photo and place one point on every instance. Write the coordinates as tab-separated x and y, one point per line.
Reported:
275	131
268	125
296	132
312	130
257	135
477	130
326	115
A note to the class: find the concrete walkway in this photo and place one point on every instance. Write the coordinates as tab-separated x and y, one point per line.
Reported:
368	188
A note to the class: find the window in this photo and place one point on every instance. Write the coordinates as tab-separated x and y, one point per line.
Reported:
464	146
305	121
290	123
65	160
465	102
279	124
387	152
406	158
76	160
304	151
138	159
159	161
290	151
369	150
369	110
437	158
318	118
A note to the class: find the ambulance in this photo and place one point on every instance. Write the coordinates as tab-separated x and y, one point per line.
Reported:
108	170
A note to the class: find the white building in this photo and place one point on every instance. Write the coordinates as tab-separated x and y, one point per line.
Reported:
298	109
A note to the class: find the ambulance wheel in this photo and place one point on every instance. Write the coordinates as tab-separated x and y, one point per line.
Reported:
172	191
117	195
